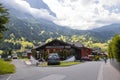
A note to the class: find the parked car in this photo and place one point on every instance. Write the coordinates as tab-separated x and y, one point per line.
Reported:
86	58
14	56
8	58
53	58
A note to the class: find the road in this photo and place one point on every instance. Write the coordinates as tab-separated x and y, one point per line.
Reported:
83	71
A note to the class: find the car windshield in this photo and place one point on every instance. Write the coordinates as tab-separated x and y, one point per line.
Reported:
53	55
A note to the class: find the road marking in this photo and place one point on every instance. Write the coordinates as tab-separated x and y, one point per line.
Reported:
9	77
28	62
100	73
54	77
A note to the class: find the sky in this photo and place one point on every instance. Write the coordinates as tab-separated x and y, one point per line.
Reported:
76	14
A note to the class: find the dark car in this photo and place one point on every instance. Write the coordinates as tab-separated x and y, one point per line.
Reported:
53	58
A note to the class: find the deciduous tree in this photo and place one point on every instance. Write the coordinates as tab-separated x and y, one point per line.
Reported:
114	48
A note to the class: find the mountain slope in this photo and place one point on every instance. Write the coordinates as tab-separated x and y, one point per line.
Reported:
39	4
38	30
24	24
106	32
41	30
113	28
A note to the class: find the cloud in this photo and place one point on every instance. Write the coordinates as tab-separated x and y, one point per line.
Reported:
25	7
85	14
77	14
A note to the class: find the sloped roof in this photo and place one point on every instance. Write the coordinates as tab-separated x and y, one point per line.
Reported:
73	44
77	44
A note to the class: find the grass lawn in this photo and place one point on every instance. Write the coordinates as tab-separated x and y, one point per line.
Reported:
62	64
68	63
6	67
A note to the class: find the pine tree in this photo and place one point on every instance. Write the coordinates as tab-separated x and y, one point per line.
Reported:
3	19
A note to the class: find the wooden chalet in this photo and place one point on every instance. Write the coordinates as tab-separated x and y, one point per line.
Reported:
64	49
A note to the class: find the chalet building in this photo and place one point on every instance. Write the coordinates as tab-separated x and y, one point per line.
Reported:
64	49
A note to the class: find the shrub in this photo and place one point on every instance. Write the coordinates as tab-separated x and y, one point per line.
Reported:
114	48
96	58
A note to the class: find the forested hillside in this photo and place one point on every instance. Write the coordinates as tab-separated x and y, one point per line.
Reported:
41	30
107	32
26	30
24	34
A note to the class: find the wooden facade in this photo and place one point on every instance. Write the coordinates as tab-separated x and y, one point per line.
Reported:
64	50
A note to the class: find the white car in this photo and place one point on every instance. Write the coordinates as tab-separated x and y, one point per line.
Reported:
14	56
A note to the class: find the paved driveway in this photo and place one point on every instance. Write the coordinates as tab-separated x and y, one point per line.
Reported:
83	71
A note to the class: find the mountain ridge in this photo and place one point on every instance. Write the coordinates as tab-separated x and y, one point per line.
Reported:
36	29
24	24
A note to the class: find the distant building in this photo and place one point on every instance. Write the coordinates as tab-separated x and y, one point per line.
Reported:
97	51
64	49
28	54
